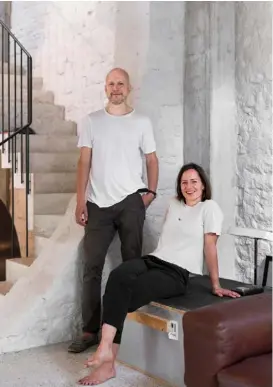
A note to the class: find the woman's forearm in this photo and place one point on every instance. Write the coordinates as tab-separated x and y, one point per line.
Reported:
212	264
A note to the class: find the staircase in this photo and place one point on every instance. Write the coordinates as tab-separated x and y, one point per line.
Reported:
53	158
53	161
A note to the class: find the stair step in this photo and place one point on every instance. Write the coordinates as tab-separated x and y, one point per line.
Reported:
42	112
37	83
54	162
38	96
43	96
5	287
54	126
52	143
48	126
51	203
59	182
45	225
12	69
17	268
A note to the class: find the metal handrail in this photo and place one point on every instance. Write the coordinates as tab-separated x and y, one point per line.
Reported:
18	131
14	38
21	121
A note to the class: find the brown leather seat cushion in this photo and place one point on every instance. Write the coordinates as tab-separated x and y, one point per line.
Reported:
253	372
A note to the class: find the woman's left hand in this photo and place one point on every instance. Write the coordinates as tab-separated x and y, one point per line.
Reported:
220	292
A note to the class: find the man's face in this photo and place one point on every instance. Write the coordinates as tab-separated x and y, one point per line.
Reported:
117	87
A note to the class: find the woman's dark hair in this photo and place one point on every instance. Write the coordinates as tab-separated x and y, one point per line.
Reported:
202	174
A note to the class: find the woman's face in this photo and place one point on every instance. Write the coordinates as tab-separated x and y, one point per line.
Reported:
191	187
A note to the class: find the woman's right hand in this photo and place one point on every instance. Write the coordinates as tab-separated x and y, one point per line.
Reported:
81	213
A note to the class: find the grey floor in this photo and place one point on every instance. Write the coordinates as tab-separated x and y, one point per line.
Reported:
53	366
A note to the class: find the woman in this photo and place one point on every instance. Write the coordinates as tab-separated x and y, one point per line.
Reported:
192	225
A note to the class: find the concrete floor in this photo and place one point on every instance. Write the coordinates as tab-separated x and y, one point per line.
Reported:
53	366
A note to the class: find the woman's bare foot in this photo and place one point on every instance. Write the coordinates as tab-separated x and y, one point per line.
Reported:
104	354
100	375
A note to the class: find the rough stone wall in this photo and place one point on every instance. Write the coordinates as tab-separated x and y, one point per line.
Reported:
72	48
196	84
149	42
209	108
254	125
75	44
161	96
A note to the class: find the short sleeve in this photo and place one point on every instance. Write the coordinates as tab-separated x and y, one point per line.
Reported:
213	218
85	133
148	142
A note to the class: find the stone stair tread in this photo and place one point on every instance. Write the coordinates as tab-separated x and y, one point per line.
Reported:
26	261
53	162
54	143
45	225
38	96
37	83
54	182
51	203
12	68
55	126
5	287
50	126
40	243
41	111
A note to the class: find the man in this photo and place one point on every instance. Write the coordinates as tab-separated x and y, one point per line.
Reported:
112	142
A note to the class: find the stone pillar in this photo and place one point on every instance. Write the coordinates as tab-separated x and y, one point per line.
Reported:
223	136
197	84
161	97
254	126
209	107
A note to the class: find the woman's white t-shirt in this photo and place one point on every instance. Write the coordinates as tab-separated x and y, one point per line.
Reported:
182	238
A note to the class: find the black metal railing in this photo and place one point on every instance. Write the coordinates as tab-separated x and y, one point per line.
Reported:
16	117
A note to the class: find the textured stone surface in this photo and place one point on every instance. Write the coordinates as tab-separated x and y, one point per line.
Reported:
196	84
76	42
161	96
79	44
40	309
209	108
53	366
254	124
227	88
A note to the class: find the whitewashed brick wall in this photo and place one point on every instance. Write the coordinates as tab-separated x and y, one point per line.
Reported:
254	124
72	45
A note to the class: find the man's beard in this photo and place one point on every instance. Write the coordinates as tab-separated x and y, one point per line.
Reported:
117	99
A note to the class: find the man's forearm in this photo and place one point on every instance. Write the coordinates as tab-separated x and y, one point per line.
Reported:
152	174
82	180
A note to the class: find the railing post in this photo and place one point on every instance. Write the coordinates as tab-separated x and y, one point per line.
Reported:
16	128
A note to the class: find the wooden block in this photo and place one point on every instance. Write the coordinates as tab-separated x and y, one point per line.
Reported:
151	320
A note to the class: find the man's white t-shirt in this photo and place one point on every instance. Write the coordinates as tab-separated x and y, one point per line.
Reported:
182	238
118	144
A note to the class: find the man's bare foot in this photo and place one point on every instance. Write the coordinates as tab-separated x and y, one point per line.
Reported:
100	375
104	354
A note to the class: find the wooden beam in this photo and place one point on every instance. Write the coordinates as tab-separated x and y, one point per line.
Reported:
150	320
